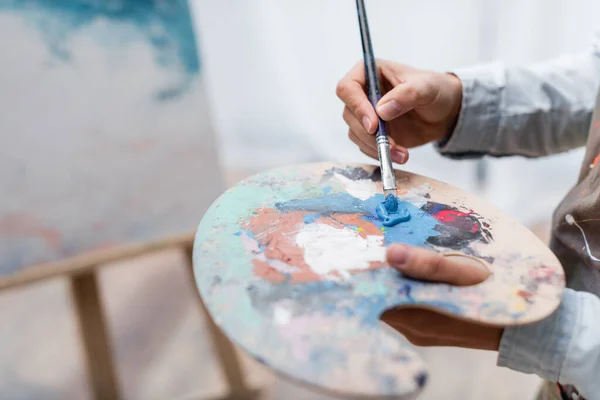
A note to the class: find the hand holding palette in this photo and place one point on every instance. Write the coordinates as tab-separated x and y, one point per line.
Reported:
291	264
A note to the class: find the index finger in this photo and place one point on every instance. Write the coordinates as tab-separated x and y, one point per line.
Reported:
351	90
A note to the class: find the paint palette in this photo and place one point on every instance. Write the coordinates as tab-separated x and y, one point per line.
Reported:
291	264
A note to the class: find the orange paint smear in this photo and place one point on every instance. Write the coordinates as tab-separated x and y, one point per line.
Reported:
596	160
264	270
367	228
272	230
277	232
524	294
399	191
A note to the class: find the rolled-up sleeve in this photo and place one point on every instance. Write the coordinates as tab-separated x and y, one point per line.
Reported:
531	111
564	347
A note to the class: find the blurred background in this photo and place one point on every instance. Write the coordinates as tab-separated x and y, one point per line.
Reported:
123	119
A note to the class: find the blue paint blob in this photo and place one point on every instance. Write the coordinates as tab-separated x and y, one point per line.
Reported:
391	212
248	233
166	25
391	204
414	232
421	380
405	291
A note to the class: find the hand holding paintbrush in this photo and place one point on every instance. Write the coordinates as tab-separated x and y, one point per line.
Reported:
419	106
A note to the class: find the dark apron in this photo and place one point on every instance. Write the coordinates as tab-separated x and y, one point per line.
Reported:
577	220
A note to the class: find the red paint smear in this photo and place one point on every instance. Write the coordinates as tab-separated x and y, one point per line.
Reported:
524	294
596	160
277	232
25	225
449	216
542	272
596	124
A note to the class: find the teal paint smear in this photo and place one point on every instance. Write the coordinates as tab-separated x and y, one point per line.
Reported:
238	262
370	288
340	203
219	231
248	317
166	26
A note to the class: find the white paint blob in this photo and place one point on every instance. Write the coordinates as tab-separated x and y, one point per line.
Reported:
328	249
281	315
362	189
416	196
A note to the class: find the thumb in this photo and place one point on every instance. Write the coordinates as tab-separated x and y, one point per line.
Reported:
427	265
399	100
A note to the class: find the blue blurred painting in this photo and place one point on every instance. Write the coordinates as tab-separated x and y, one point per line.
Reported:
165	25
108	133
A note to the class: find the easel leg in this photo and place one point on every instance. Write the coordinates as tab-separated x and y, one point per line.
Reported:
94	335
228	358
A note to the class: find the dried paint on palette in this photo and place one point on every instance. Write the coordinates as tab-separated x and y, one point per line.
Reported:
292	264
339	233
327	252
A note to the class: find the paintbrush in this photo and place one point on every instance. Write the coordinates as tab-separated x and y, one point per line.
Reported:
388	178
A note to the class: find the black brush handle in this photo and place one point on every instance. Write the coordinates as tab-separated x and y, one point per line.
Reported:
373	85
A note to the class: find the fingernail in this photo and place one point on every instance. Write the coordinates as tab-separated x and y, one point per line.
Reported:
398	256
367	123
389	110
398	157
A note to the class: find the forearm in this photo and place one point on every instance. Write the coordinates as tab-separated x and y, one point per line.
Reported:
563	348
533	111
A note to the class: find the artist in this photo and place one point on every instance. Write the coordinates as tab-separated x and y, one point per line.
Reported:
493	110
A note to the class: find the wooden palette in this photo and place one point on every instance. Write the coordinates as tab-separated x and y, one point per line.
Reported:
291	264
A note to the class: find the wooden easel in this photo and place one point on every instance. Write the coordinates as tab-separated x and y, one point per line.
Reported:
82	272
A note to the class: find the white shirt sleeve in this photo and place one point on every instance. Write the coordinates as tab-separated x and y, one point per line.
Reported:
532	111
563	348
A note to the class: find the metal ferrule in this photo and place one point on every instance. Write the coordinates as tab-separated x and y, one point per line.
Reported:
388	178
